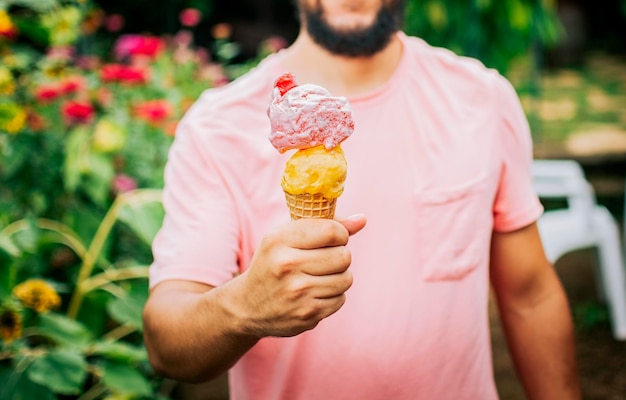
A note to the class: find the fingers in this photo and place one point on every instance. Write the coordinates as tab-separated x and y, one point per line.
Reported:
324	261
353	223
332	286
315	233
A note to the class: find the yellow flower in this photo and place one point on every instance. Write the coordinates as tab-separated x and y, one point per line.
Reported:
7	83
10	325
12	118
37	294
6	25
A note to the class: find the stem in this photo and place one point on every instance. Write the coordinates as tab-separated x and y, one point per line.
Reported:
97	243
113	275
114	290
68	237
94	392
119	332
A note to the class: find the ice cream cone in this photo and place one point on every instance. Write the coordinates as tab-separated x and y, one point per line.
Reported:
310	206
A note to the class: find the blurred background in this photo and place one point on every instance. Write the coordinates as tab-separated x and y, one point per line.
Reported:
90	95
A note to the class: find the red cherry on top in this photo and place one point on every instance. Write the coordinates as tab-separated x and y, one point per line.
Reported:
285	83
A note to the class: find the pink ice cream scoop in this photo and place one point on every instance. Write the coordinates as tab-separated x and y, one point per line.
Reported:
304	116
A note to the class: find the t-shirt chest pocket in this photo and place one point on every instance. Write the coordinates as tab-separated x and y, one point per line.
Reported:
454	229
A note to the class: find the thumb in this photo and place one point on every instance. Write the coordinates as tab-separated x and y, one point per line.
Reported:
353	223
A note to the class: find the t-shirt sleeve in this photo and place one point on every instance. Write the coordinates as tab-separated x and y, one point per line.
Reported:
198	240
516	204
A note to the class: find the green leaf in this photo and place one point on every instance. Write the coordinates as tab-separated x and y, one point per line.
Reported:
127	310
28	27
16	386
125	379
63	330
7	274
27	239
15	154
93	312
120	351
98	181
76	161
144	219
36	5
61	371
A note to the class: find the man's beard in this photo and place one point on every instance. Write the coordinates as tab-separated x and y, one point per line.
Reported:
354	42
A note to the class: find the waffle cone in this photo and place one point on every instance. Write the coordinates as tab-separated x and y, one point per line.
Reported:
310	206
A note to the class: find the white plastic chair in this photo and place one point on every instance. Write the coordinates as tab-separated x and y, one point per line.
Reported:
583	224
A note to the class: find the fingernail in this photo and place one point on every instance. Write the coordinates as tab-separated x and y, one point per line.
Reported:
355	217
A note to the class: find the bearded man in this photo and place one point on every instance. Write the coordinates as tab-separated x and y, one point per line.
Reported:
439	165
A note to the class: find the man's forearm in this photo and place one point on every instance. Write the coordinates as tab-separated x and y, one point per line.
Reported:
190	336
541	341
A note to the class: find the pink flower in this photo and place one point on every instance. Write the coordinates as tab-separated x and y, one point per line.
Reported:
190	17
61	53
214	74
183	38
114	22
138	45
88	62
123	183
76	111
203	55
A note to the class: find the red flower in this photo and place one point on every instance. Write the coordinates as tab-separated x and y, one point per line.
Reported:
73	84
123	73
190	17
153	111
48	92
76	111
138	45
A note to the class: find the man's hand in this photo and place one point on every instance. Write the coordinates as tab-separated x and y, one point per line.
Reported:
298	276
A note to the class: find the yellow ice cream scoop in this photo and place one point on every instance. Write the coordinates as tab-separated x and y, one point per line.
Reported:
316	170
312	181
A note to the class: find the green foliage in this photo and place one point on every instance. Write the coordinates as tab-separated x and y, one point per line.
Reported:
84	142
51	354
497	32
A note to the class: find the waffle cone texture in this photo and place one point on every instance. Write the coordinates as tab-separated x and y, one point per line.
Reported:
310	206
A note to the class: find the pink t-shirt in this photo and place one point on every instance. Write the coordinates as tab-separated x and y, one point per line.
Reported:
439	158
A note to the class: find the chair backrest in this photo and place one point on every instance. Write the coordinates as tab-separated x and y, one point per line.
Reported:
555	179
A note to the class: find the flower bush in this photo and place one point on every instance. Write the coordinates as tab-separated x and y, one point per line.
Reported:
84	134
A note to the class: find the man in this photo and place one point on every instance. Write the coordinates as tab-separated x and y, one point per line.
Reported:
439	163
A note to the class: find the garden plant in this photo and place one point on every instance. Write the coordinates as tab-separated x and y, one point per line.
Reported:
84	134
